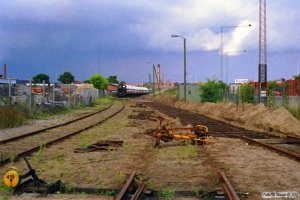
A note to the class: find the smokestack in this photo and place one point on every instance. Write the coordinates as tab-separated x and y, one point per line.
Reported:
4	71
158	73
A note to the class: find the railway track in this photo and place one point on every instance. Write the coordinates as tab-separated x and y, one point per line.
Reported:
51	127
31	142
130	190
219	128
216	127
228	188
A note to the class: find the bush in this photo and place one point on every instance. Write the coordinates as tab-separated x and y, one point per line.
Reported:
12	116
247	93
212	91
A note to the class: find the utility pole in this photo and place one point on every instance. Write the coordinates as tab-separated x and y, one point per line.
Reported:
153	84
262	60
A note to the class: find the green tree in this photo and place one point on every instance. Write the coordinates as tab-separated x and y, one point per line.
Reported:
247	93
270	91
122	83
212	91
39	78
98	81
113	79
66	78
297	78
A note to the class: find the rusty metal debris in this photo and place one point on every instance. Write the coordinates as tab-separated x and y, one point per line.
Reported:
102	145
165	132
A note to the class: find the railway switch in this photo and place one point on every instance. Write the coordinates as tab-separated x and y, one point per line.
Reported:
28	182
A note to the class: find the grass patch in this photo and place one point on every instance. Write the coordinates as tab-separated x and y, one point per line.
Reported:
225	166
109	193
69	188
12	116
120	177
295	112
13	157
173	91
103	101
39	155
167	193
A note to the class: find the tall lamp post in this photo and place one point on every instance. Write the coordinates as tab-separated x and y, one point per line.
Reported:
184	64
153	78
226	60
221	45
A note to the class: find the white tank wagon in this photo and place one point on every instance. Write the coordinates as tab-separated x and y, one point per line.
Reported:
130	90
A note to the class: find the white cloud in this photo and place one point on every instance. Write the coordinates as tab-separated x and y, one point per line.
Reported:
200	21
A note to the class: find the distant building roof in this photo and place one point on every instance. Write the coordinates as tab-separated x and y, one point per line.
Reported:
6	81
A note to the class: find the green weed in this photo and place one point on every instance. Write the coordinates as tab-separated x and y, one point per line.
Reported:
225	166
109	193
295	112
252	190
167	193
38	156
69	188
4	188
120	177
13	157
12	116
103	101
83	143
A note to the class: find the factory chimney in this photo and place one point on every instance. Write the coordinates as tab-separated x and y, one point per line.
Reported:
158	73
4	71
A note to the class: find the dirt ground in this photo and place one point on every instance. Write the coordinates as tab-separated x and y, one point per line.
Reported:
254	117
175	166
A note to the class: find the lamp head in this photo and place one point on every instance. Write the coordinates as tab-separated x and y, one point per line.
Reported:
173	35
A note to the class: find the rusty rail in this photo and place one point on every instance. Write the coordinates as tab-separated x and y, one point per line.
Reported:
129	189
293	137
51	127
279	150
228	187
36	148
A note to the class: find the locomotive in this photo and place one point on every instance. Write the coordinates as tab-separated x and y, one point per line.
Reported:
130	90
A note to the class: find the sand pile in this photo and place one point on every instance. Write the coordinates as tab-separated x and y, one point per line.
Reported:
246	115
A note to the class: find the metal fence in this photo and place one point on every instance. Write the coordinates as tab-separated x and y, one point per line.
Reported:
233	96
68	95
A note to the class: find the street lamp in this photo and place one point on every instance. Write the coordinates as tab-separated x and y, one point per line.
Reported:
226	59
153	86
184	63
221	45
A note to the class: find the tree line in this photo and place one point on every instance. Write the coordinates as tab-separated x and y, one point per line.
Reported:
98	80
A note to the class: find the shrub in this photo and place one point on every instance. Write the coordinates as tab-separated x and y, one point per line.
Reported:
247	93
212	91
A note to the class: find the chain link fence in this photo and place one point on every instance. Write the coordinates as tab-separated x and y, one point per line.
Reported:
68	95
233	96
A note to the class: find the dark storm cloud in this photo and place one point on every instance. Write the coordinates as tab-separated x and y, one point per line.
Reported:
51	36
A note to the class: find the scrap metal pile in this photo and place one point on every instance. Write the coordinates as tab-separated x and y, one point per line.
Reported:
166	132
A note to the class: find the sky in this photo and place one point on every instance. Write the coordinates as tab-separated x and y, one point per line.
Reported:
124	38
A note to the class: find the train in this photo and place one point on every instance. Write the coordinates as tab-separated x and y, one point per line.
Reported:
125	90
